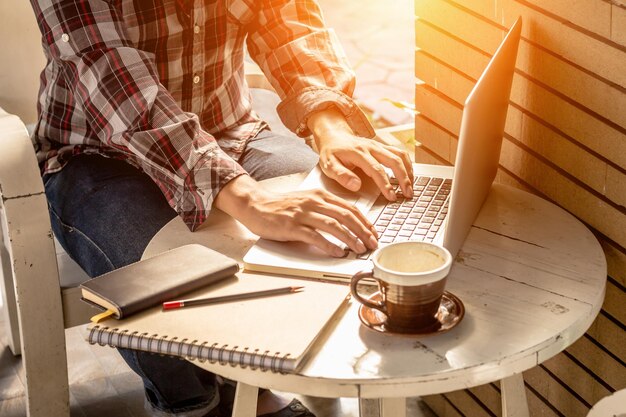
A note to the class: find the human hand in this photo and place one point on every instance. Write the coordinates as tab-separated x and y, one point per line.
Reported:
297	216
341	152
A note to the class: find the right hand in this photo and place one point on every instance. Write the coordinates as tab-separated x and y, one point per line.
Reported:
297	216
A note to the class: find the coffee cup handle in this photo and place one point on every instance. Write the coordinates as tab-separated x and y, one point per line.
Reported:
371	304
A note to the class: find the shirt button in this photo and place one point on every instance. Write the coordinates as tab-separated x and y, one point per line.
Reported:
196	29
65	37
196	79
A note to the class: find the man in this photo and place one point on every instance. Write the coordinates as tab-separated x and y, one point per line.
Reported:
144	114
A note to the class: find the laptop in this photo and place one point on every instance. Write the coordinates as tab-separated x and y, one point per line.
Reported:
446	199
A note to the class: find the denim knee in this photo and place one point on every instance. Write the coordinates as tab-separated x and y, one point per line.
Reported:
269	155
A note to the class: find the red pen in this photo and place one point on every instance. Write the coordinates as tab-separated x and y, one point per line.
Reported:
171	305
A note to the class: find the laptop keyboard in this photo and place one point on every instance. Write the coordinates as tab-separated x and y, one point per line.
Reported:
417	218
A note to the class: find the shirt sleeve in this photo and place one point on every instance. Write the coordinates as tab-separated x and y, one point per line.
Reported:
304	62
118	89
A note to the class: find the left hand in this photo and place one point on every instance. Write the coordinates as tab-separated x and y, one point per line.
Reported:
341	152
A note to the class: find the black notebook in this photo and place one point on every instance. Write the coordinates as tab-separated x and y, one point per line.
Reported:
275	333
149	282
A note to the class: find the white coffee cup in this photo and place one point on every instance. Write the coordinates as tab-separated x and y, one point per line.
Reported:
411	277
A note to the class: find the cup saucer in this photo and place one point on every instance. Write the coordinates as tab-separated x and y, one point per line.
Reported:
451	312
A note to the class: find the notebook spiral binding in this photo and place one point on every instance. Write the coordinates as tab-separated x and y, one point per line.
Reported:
190	350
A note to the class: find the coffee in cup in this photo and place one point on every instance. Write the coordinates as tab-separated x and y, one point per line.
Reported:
411	278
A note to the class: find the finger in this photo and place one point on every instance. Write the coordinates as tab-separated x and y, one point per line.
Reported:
406	160
346	219
376	171
307	235
331	226
394	161
361	220
333	168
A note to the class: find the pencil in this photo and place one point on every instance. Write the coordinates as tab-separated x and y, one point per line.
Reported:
171	305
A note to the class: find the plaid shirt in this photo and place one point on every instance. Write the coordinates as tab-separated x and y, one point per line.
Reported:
161	84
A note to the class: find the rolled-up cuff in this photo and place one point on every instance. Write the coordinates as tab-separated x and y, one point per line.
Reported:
201	187
295	111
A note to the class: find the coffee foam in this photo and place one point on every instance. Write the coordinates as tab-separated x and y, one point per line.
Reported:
413	260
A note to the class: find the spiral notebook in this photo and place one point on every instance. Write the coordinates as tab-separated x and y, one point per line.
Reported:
274	333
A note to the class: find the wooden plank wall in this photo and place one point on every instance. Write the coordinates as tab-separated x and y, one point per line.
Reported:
565	139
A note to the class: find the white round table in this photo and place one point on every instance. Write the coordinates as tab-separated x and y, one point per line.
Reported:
532	279
613	405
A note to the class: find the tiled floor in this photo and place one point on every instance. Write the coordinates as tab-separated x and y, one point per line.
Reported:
378	38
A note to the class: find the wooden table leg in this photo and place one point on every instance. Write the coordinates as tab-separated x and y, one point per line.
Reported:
246	397
393	407
369	407
514	403
386	407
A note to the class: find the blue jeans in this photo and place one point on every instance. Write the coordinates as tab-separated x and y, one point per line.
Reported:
104	212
